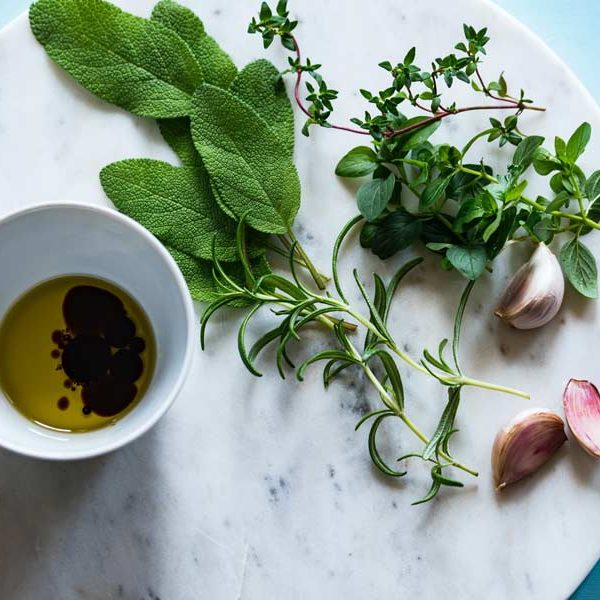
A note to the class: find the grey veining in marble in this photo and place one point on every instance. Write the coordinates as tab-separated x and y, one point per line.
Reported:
252	489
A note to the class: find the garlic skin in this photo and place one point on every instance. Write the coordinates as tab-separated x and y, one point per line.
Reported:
581	403
535	293
525	444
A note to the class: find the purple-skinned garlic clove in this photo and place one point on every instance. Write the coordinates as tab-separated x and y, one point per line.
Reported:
525	444
581	403
535	293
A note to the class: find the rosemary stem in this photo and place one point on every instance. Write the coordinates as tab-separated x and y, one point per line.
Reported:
317	276
393	405
467	381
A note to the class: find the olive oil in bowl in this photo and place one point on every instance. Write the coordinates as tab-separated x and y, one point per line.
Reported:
76	353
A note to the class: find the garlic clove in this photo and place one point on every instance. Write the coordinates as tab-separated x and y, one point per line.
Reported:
525	444
581	402
535	293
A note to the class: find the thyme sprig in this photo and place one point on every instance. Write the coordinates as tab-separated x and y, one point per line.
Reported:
409	83
296	307
466	210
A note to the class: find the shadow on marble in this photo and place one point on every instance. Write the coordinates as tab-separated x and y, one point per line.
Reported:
584	466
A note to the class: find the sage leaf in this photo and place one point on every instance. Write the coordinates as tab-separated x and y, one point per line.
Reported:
360	161
217	67
249	167
199	277
260	85
177	133
468	261
580	268
174	203
134	63
373	196
578	142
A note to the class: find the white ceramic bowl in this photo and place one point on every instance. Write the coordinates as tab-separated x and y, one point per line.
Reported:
61	239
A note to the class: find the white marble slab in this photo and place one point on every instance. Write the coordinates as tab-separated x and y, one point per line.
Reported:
256	489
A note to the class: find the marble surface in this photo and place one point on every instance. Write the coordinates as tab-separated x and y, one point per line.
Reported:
257	488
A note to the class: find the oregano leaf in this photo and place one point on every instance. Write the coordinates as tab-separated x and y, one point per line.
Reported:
374	195
468	261
580	268
578	142
360	161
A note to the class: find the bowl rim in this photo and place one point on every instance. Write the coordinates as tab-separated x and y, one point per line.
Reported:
113	443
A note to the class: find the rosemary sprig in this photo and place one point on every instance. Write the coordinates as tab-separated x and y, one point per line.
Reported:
296	306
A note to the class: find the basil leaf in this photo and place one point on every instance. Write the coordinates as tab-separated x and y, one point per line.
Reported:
580	268
260	85
373	196
173	203
578	142
360	161
250	169
433	192
468	261
217	67
177	133
525	152
134	63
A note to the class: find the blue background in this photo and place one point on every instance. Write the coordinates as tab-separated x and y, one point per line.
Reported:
570	27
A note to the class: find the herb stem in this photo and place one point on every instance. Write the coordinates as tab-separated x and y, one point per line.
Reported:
582	219
450	380
441	114
470	143
319	278
391	403
482	173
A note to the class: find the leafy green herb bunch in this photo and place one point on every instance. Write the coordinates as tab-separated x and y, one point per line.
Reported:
466	211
